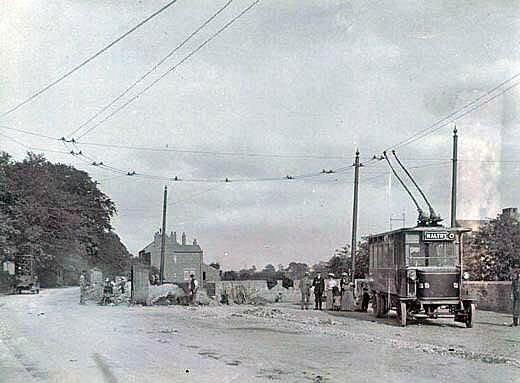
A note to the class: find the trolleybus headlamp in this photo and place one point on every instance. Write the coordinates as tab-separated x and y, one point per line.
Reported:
412	275
465	275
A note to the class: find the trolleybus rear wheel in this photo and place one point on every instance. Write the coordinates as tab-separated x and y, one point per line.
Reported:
375	304
380	309
401	313
470	318
373	301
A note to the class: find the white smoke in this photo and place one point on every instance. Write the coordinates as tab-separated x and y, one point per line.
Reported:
480	149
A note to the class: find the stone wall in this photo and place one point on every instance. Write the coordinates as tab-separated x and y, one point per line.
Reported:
490	295
6	282
253	291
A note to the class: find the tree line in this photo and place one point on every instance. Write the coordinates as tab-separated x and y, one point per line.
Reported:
490	253
57	214
340	262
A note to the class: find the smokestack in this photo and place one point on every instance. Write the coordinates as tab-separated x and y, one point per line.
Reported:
183	238
175	237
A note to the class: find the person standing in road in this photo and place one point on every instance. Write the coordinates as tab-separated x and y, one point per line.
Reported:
365	298
347	295
194	286
107	292
122	284
319	286
82	288
515	296
331	291
305	288
344	282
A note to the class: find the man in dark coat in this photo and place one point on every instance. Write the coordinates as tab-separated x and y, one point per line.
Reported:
319	286
194	286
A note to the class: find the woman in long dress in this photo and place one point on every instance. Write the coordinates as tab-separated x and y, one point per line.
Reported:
347	295
329	287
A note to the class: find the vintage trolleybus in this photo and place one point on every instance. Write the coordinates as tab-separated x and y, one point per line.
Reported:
418	271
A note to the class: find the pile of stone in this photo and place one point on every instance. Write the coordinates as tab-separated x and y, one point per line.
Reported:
167	294
170	294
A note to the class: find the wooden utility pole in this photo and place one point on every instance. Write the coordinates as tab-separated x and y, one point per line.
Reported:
353	246
454	180
163	235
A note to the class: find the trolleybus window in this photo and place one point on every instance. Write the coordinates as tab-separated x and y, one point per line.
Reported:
439	254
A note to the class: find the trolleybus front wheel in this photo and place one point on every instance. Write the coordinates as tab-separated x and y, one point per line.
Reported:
470	314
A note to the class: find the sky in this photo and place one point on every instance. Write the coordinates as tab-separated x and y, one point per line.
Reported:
312	79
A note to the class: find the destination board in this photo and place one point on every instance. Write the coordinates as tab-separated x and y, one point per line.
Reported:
438	236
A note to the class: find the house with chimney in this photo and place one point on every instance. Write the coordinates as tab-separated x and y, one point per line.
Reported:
180	259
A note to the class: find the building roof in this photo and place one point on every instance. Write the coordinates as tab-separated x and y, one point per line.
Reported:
176	247
418	229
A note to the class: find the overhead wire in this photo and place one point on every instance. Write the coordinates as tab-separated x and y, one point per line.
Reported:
187	151
132	173
212	152
152	69
171	69
459	113
86	61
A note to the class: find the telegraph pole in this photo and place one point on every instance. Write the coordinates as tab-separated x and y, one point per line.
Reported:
402	219
454	180
163	235
353	246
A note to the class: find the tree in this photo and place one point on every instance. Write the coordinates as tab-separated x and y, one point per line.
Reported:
343	251
491	249
362	260
215	265
341	262
229	275
57	214
296	270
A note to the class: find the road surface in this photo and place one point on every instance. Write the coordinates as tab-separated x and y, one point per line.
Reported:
50	338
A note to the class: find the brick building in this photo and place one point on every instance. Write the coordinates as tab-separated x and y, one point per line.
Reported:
180	259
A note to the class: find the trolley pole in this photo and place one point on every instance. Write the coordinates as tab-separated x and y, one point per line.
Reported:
163	235
454	180
353	247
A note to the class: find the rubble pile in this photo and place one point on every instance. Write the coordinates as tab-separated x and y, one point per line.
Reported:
170	294
265	312
202	298
167	294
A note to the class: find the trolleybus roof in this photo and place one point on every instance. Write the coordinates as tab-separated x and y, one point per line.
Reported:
420	229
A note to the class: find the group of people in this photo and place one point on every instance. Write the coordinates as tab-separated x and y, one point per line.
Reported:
339	294
110	287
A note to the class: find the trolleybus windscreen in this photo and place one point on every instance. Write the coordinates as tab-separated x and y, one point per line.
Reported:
439	254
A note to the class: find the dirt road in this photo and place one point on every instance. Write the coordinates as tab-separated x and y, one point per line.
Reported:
50	338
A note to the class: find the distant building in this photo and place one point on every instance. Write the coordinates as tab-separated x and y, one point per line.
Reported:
180	259
511	212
